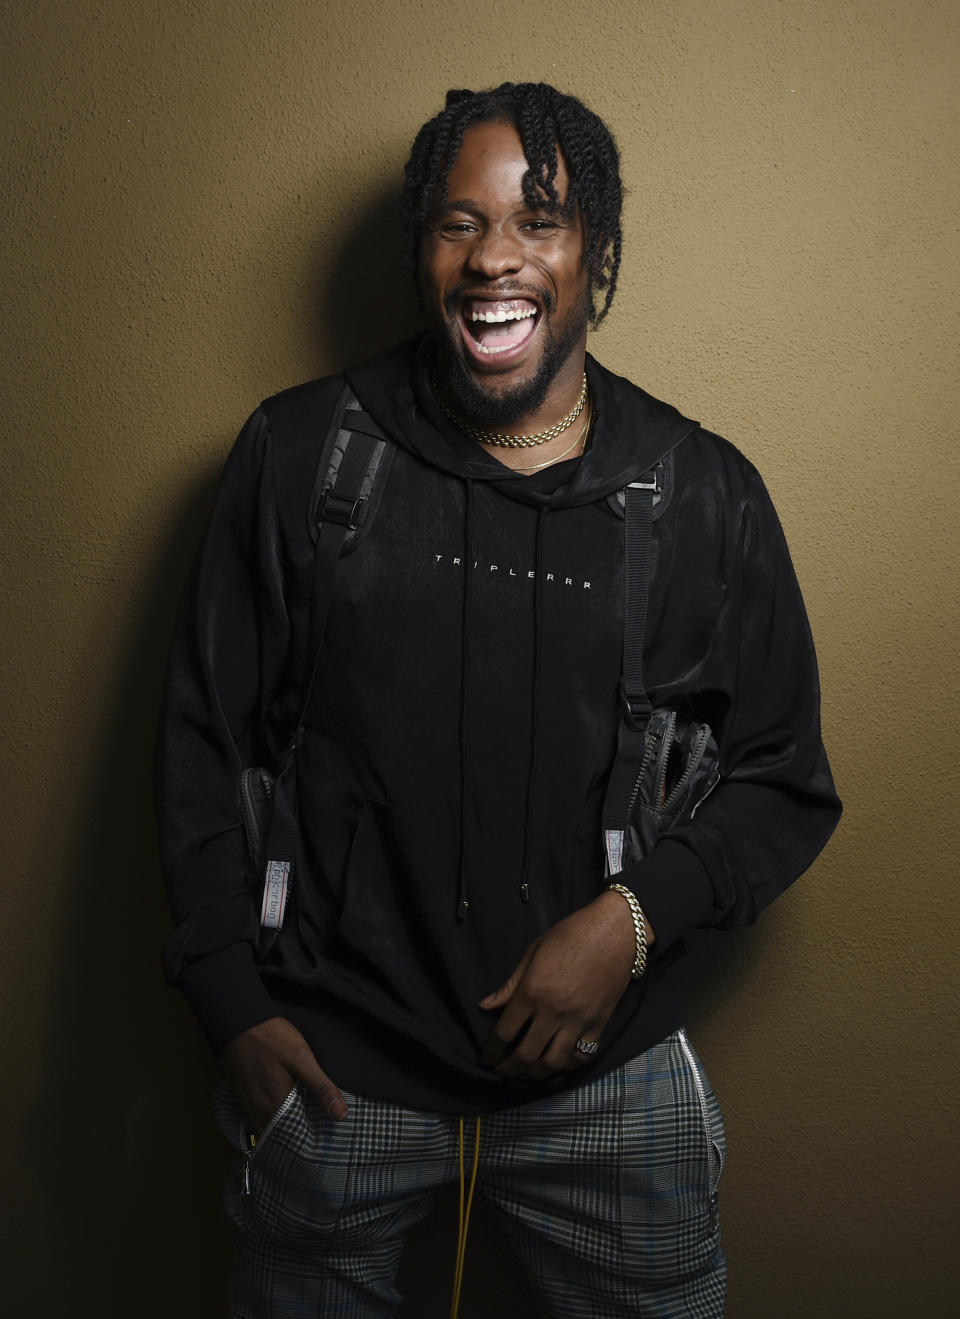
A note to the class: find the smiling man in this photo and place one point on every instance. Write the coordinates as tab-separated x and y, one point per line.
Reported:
506	286
553	704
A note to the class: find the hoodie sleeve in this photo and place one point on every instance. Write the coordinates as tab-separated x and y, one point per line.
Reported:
227	657
775	806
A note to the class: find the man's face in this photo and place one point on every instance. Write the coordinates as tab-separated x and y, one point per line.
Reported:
503	282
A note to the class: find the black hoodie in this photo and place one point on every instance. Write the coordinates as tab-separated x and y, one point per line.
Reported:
458	744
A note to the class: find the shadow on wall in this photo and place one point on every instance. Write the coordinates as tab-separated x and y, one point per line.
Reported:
126	1162
119	1171
368	300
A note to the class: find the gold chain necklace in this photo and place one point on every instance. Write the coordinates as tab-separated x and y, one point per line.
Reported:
513	441
577	445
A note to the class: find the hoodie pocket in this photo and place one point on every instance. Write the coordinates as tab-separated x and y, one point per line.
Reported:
680	769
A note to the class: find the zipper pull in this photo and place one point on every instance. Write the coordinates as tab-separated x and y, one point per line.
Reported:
250	1144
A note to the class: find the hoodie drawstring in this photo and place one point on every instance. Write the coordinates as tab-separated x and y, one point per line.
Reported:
463	901
534	704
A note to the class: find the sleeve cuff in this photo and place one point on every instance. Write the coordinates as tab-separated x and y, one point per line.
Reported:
226	994
673	889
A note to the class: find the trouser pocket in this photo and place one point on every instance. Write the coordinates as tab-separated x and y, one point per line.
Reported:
292	1181
233	1125
710	1115
673	1157
637	1186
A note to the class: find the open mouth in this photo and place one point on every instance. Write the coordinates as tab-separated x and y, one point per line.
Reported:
497	330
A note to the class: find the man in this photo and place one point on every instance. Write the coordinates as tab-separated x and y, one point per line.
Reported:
452	945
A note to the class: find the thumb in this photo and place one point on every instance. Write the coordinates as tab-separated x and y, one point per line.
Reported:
500	997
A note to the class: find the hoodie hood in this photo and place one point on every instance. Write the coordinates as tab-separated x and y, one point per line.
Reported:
631	430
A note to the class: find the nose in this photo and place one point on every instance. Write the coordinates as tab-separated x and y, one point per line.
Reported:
495	253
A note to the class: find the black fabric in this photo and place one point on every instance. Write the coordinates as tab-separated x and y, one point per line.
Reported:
463	726
634	703
341	510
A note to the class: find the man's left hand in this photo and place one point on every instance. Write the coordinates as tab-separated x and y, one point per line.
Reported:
565	987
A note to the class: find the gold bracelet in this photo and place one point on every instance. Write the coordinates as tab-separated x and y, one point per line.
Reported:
639	929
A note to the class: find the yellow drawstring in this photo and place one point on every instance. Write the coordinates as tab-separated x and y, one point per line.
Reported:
464	1216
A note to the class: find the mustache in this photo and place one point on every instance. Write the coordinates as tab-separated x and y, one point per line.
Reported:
510	288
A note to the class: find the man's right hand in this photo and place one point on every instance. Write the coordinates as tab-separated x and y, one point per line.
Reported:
264	1063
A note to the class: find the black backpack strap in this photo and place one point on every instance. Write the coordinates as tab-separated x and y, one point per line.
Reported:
343	509
635	709
353	463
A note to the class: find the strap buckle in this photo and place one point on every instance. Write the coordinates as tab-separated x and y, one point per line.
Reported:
342	510
656	485
636	707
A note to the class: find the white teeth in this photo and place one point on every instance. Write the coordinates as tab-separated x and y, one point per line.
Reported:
495	317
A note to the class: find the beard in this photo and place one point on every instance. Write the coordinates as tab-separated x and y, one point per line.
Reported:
497	408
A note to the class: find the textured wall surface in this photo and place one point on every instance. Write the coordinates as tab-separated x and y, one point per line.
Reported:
196	211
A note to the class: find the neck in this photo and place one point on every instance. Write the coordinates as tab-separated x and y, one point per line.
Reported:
571	443
530	451
506	408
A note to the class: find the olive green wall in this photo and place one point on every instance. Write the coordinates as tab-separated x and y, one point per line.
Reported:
196	213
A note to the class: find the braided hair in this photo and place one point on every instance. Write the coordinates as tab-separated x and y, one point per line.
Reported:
545	119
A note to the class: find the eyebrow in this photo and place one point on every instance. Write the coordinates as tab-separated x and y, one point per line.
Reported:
474	207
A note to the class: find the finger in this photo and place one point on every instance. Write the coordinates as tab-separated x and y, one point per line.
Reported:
550	1063
505	1034
260	1105
260	1087
312	1074
575	1057
502	996
526	1059
560	1056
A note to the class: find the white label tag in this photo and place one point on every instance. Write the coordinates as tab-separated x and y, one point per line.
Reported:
275	888
613	839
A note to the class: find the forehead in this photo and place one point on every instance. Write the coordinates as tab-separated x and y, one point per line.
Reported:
490	165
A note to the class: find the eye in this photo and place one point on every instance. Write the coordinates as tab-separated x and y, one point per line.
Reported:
540	226
457	228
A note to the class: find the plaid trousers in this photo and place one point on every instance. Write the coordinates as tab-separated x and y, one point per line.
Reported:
608	1194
